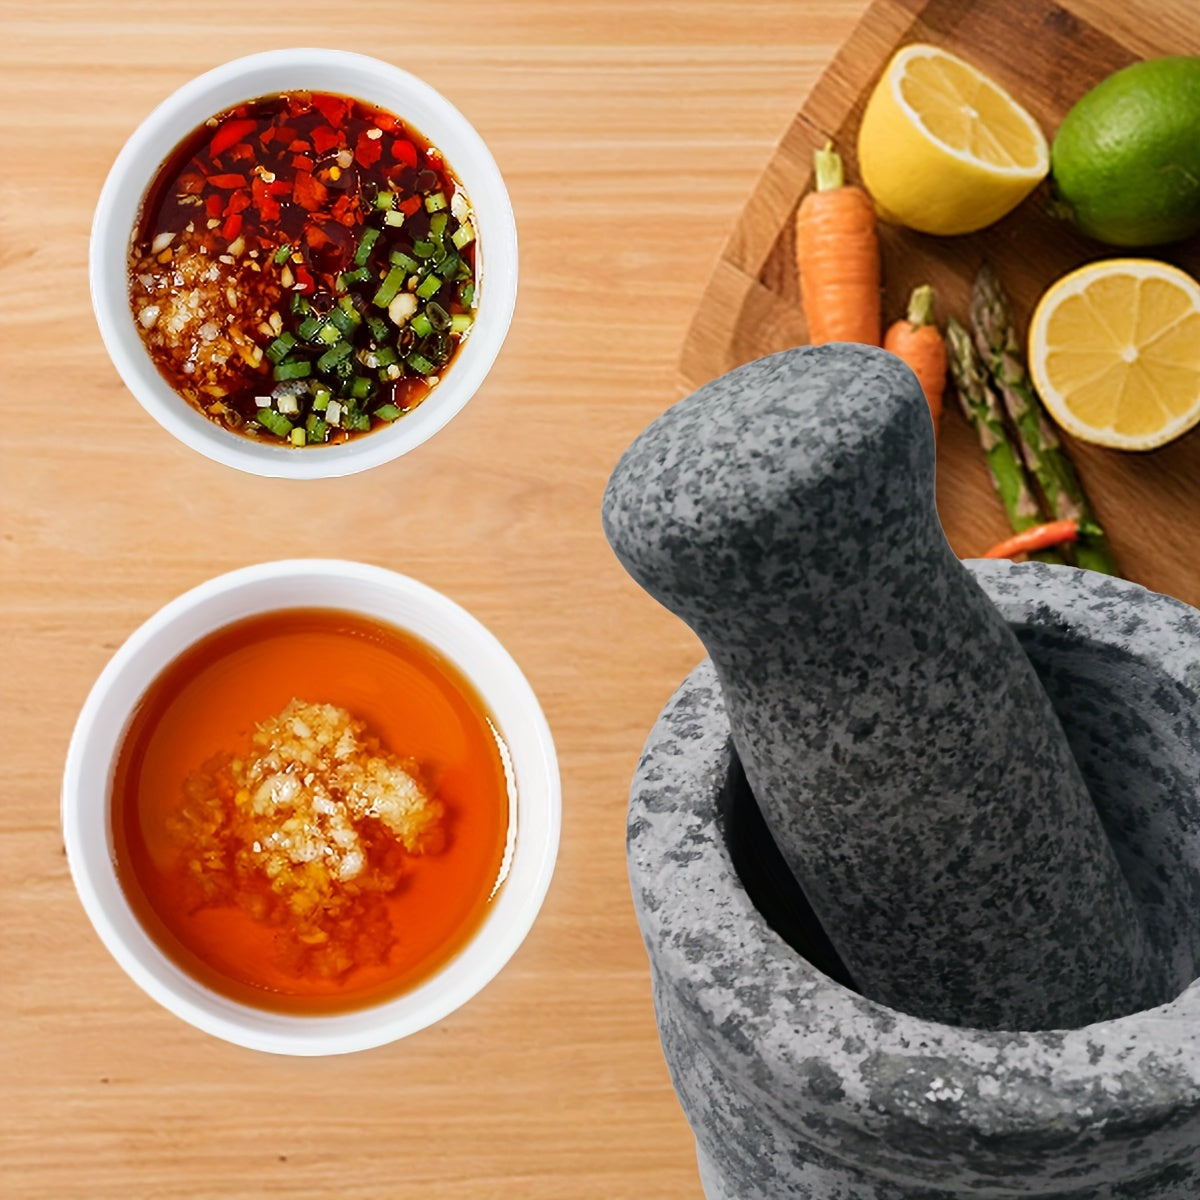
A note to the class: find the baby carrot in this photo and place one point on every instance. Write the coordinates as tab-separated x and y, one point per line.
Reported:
1042	537
837	253
917	341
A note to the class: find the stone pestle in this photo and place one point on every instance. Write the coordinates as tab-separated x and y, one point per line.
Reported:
907	762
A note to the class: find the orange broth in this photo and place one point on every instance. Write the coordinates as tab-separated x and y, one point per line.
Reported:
419	706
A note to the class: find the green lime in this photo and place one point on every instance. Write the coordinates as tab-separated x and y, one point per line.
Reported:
1126	159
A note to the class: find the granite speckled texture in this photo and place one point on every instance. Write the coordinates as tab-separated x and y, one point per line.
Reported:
796	1087
903	753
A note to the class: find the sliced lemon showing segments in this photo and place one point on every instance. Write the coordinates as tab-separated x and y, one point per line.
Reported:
1114	351
943	149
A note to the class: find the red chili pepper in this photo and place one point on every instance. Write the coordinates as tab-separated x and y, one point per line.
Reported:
409	206
299	146
232	227
1038	537
405	152
227	181
281	187
303	163
367	151
304	279
308	191
238	202
384	120
325	139
230	133
330	107
215	204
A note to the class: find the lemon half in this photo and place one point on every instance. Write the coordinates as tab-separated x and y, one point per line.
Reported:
1114	351
942	148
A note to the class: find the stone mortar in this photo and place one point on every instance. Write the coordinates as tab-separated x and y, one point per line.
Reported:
796	1086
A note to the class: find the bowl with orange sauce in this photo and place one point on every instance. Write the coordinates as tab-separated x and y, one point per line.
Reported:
311	828
304	263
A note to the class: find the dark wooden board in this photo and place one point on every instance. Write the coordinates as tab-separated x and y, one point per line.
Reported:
1046	55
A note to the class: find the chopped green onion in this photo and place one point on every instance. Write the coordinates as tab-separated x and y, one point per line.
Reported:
447	265
466	295
419	363
360	421
342	321
436	348
388	412
393	282
421	325
429	286
385	356
310	327
437	225
273	422
464	269
316	428
399	259
280	348
464	235
298	437
461	322
394	217
321	397
361	388
300	306
282	255
328	333
369	238
343	372
334	355
435	203
347	305
297	369
439	318
424	249
358	275
383	201
378	327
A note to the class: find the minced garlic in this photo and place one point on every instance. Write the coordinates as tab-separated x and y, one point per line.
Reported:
308	831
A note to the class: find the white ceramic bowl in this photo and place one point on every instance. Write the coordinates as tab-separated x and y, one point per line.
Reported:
369	591
366	79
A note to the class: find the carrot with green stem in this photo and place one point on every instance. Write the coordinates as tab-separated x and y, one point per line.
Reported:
837	253
918	342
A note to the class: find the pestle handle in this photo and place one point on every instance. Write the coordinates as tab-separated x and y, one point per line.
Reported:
906	760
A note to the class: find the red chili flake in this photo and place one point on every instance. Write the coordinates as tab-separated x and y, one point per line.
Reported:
309	191
367	151
230	133
325	139
409	206
303	163
232	227
215	204
405	152
268	209
298	146
227	181
330	107
384	121
304	279
238	202
281	187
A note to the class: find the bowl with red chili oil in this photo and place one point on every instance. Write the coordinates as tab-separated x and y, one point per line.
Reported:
304	263
311	828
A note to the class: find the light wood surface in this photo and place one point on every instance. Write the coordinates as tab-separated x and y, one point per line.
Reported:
630	135
751	304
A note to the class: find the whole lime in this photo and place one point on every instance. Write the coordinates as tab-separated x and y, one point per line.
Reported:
1126	159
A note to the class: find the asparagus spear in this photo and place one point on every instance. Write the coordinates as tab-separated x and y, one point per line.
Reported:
982	409
996	339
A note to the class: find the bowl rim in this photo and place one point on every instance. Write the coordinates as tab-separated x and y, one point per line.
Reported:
104	719
367	78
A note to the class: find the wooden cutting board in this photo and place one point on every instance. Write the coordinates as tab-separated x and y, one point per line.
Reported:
1047	55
